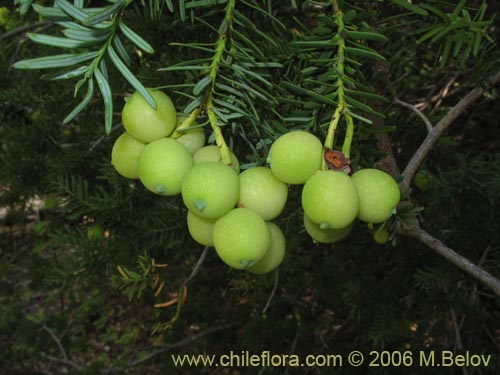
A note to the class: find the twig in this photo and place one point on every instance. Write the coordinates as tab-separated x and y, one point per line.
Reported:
410	170
183	288
455	258
22	29
163	349
442	125
388	162
57	341
492	338
428	124
13	56
197	267
273	292
100	139
185	341
64	362
437	98
293	347
458	338
479	264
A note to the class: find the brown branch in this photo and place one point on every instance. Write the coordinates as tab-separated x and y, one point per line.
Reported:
183	342
273	292
57	341
428	124
443	124
64	362
96	143
389	164
156	350
455	258
438	97
23	28
197	267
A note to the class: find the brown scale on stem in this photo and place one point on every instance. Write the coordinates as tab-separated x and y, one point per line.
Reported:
336	160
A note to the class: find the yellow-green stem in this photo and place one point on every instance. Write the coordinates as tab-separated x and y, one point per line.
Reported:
331	131
219	138
346	148
341	104
335	6
186	123
214	68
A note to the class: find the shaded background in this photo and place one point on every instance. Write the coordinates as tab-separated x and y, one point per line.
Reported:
61	293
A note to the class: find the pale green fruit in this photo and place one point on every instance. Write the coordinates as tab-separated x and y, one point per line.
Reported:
330	199
42	227
422	179
95	232
261	191
192	139
145	123
201	229
125	155
381	236
50	203
326	235
212	153
162	166
241	238
295	156
378	195
274	254
210	189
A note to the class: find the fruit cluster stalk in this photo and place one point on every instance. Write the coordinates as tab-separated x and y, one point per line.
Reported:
341	109
214	68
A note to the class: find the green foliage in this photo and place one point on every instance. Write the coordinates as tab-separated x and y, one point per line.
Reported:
256	69
98	29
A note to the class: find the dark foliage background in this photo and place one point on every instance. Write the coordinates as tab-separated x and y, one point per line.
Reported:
63	305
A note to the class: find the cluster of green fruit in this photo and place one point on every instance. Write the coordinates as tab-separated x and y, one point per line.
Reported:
228	210
232	211
331	199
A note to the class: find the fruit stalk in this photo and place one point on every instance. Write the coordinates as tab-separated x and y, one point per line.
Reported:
346	148
186	123
214	68
219	138
341	104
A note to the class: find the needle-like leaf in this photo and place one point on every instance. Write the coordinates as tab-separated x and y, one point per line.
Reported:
107	98
129	76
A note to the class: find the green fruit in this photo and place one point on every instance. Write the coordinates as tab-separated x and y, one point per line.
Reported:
261	191
241	238
381	236
50	203
192	139
95	232
201	229
378	195
274	254
162	166
145	123
295	156
210	189
125	155
326	235
42	227
422	179
329	198
212	153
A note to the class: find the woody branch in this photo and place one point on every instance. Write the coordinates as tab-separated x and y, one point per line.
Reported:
417	232
441	126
